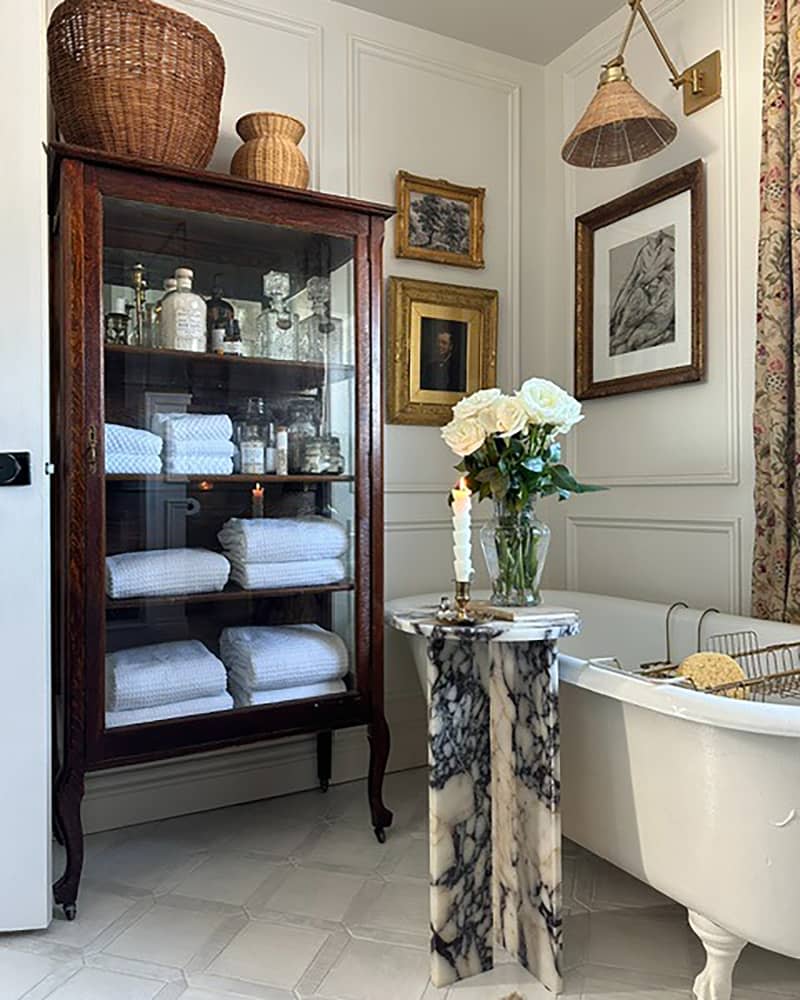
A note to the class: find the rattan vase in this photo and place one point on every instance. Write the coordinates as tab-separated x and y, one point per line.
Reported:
270	152
135	78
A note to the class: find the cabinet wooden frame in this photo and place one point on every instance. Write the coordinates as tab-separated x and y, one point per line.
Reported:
80	181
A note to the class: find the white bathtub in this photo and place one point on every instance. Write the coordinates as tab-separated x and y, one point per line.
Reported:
696	795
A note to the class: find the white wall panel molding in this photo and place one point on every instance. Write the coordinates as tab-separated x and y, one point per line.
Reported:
728	470
729	529
312	33
360	48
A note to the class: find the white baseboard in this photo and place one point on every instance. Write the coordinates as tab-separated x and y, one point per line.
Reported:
142	793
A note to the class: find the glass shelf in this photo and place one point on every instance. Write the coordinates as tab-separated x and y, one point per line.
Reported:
230	593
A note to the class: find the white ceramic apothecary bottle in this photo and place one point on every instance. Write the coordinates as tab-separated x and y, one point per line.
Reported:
183	316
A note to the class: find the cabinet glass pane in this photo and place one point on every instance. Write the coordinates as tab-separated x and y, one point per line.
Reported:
230	463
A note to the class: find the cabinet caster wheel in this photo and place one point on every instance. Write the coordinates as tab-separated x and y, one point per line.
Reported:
324	785
380	834
70	911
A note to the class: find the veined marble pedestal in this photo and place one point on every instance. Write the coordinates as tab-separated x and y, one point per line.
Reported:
495	840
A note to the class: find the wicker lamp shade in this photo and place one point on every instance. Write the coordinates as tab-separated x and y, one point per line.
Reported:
619	126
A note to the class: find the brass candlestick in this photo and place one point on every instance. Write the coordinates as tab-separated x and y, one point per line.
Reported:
462	601
139	290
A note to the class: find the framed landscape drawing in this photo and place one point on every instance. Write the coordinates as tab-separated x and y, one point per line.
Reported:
442	346
640	273
439	221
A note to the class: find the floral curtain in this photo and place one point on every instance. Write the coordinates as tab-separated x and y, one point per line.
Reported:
776	557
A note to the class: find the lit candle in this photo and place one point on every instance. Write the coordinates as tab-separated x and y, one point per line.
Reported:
462	531
258	500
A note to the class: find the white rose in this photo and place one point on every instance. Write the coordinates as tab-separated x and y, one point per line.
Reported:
547	403
471	406
464	436
506	417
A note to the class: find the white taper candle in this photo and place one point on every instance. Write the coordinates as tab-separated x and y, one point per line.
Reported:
462	531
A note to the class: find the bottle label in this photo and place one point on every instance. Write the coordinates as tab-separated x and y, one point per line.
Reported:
252	457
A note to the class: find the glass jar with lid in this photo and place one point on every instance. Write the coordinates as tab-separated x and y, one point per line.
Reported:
303	427
275	326
256	412
183	316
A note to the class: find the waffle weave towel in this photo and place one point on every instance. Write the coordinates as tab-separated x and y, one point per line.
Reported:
269	657
177	710
197	465
165	572
120	463
161	674
272	575
193	426
283	539
243	698
131	440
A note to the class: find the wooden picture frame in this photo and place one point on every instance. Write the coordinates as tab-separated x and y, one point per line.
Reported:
633	257
452	235
442	346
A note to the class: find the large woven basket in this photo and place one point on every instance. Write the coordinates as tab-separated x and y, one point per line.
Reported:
136	78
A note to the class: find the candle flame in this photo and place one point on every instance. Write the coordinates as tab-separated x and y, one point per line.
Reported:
462	484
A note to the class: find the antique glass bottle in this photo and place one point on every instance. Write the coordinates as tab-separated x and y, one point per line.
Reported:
183	316
277	337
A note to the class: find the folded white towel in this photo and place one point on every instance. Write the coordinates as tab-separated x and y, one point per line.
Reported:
177	710
272	575
267	657
212	448
161	674
197	465
132	440
243	698
122	464
193	426
164	572
283	539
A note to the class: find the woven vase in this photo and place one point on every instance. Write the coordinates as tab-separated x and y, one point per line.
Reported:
270	152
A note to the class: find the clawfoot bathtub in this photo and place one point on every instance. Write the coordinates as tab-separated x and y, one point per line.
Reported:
698	796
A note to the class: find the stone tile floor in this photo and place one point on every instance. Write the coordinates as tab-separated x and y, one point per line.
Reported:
293	898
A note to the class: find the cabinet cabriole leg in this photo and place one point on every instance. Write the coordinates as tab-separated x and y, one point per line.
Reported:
379	743
67	812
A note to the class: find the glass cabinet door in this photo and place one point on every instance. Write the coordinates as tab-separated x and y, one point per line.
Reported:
230	454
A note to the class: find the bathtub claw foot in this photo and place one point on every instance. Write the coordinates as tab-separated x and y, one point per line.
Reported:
715	982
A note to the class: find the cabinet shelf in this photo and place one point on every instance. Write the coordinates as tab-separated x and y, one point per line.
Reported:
230	593
266	479
168	367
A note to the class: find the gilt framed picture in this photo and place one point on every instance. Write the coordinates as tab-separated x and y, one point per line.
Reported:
439	221
640	274
442	346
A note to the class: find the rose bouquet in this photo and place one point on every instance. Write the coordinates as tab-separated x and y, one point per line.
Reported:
509	451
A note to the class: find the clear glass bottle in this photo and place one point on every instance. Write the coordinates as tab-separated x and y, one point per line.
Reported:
303	428
183	316
282	451
275	327
251	449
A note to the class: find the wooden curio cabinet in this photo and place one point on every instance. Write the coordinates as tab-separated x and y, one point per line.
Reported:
108	216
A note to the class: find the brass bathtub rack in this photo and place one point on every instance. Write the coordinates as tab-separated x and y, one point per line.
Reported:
770	671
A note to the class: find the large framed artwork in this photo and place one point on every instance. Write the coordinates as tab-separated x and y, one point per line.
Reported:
640	273
439	221
442	346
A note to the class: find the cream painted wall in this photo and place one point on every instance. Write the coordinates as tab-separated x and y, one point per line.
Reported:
677	522
377	96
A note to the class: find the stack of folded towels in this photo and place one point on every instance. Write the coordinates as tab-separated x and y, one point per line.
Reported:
165	681
165	573
131	451
272	663
196	444
271	552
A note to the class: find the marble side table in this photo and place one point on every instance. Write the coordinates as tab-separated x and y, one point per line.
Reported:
495	821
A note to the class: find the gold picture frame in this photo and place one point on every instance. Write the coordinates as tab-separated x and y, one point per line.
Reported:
442	347
439	221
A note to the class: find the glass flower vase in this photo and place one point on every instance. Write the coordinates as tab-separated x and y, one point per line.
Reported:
515	544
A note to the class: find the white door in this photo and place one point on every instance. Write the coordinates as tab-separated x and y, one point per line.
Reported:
24	510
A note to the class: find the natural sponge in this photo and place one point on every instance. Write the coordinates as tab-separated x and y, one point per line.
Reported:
707	670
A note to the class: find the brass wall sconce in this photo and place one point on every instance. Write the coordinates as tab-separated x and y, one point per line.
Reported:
620	126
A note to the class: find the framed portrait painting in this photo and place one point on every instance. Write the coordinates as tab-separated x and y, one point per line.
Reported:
442	346
640	274
439	221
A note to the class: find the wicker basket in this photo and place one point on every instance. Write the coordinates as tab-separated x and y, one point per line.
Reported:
136	78
270	151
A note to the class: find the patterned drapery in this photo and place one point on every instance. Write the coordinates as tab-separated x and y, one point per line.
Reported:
776	556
